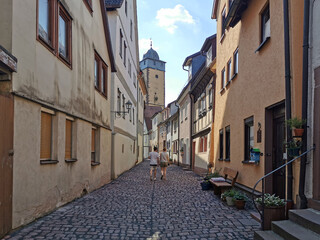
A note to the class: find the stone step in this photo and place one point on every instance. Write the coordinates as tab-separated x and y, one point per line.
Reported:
308	218
292	231
266	235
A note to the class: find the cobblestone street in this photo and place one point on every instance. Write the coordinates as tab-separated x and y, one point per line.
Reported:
133	207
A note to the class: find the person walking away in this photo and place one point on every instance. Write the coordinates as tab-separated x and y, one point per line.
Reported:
154	162
164	159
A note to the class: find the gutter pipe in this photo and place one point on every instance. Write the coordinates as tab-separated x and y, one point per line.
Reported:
288	92
303	199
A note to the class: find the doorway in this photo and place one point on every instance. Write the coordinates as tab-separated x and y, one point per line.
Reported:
6	155
274	141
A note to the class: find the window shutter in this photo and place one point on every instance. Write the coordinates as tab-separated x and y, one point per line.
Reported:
46	133
205	143
93	136
68	154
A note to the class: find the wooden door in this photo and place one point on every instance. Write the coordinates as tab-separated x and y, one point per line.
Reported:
6	153
193	154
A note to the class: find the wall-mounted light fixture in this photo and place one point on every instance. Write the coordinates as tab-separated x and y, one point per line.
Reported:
119	113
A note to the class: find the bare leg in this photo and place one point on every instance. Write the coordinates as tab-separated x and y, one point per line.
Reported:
165	173
155	173
151	174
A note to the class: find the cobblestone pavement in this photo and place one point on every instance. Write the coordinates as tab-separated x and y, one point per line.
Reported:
133	207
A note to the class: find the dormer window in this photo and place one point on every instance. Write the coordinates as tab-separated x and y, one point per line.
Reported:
190	71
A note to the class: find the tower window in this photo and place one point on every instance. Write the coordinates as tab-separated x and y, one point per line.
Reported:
157	76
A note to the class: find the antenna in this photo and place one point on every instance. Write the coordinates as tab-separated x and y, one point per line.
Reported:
150	42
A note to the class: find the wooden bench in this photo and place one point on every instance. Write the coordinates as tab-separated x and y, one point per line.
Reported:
221	186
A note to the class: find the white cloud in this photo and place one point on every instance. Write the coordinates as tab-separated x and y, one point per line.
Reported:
144	46
169	17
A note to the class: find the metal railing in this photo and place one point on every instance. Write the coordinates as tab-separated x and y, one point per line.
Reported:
263	183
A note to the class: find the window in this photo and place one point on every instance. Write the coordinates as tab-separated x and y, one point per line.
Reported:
54	29
249	137
210	98
228	143
46	136
157	76
45	22
201	144
235	62
134	147
93	144
131	25
68	146
203	103
223	21
88	4
120	44
221	144
223	78
64	38
123	106
265	24
130	117
119	101
129	68
100	74
126	7
134	81
124	53
229	71
186	109
203	141
133	115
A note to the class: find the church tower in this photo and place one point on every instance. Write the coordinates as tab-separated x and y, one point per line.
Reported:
154	72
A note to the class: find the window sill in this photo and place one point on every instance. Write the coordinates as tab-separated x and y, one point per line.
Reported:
48	161
72	160
228	83
222	90
66	61
210	107
249	162
234	76
95	164
262	44
186	118
101	93
88	7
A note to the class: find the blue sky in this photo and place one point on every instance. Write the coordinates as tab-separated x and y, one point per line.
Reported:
178	28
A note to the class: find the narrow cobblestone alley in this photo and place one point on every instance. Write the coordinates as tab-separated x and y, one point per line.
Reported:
133	207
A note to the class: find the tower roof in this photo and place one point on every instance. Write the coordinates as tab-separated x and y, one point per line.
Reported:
152	54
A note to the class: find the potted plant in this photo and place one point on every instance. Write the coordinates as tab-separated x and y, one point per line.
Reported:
181	151
229	196
240	199
205	184
274	209
293	147
297	125
223	197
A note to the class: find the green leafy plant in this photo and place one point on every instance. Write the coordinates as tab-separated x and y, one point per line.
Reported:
240	196
271	201
230	193
293	144
213	175
296	122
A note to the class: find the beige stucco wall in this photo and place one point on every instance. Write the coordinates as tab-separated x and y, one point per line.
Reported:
43	78
38	189
155	85
259	83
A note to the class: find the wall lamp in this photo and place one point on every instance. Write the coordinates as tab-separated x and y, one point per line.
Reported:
119	113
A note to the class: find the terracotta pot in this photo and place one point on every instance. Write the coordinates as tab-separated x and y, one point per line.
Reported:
240	203
298	132
273	214
230	201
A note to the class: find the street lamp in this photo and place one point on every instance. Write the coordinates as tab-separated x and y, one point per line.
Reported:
128	106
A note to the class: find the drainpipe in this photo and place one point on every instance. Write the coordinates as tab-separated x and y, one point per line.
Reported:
191	124
175	103
288	93
303	199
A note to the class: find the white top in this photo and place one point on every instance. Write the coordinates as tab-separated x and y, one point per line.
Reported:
154	156
164	157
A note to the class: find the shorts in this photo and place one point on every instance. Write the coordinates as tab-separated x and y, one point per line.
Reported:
153	167
163	164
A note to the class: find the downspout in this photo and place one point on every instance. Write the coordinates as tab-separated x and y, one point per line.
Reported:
288	92
303	199
191	124
175	103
